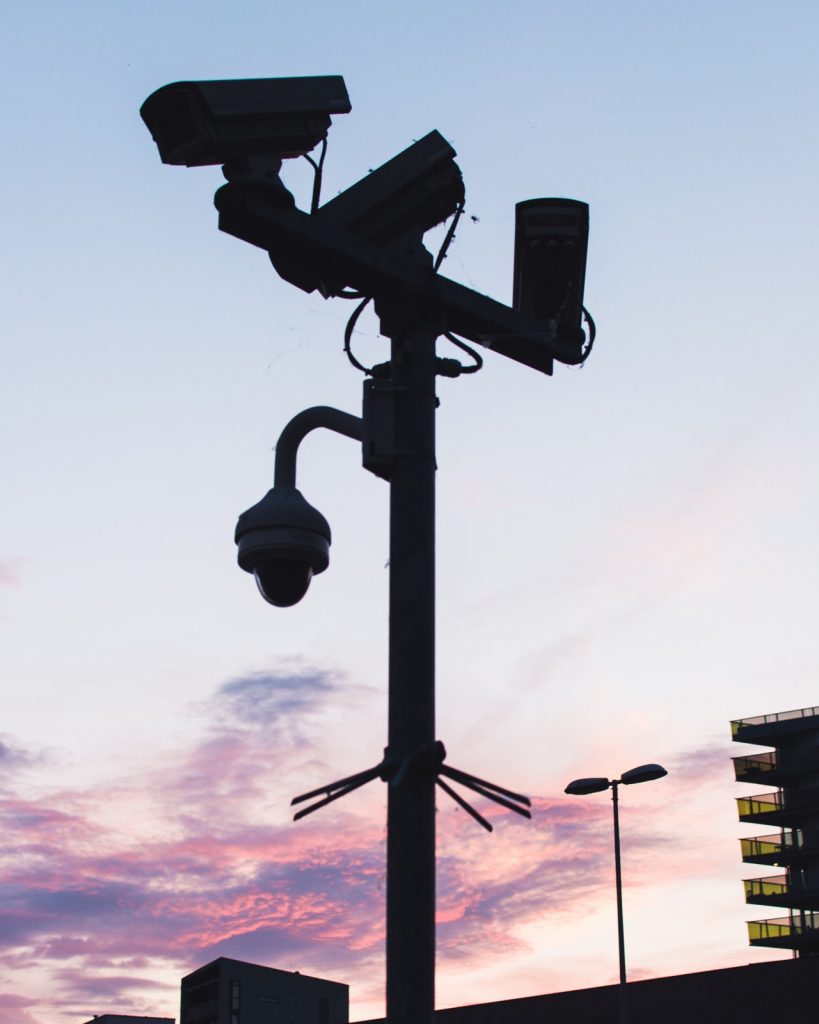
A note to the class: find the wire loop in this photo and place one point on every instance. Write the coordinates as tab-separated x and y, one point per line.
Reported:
348	336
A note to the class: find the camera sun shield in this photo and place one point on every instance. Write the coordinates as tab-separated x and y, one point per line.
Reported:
407	195
419	188
551	241
199	123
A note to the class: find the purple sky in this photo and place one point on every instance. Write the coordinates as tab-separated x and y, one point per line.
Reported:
627	553
114	891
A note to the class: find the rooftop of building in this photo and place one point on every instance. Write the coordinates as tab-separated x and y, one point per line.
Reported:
773	729
773	989
124	1018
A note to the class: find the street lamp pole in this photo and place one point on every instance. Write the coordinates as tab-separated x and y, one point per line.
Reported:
618	883
583	787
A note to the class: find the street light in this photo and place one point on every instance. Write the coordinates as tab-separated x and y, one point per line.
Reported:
583	787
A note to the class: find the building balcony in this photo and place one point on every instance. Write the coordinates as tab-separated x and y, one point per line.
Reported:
780	891
778	849
755	767
774	767
799	931
775	730
791	808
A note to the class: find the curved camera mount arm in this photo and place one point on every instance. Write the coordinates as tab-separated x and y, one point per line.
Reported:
282	540
299	427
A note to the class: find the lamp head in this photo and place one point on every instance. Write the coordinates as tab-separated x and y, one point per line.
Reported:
644	773
582	787
284	542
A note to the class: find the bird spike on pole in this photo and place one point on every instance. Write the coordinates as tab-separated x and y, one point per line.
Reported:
394	773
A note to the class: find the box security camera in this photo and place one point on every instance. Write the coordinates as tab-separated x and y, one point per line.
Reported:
551	240
198	123
417	189
409	194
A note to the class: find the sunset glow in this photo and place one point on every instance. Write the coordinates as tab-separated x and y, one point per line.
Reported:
627	553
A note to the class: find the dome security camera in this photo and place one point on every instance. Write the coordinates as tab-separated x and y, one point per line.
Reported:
284	542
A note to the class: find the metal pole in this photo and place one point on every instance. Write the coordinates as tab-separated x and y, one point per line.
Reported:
618	882
411	800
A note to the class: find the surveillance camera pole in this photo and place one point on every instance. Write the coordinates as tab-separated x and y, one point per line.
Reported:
412	758
248	126
416	305
398	436
411	729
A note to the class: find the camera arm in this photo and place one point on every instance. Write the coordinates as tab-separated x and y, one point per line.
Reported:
282	539
299	427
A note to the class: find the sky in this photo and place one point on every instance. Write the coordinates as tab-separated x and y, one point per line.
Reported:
627	553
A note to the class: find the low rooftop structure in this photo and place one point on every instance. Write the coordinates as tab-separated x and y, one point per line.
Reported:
124	1018
774	990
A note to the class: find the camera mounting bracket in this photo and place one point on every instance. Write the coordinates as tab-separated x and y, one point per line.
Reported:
248	211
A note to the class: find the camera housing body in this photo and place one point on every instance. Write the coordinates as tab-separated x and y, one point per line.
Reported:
214	122
393	206
284	542
551	242
415	190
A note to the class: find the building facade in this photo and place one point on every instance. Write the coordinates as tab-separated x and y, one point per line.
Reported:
233	992
792	809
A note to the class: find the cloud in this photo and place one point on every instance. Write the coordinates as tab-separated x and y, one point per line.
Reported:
78	985
270	699
190	860
543	869
114	892
14	1009
704	765
11	573
13	757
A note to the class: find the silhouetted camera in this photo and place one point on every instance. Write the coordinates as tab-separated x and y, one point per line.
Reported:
284	542
197	123
551	241
417	189
393	205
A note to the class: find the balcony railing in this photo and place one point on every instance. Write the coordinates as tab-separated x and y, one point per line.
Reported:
798	803
781	929
763	803
776	765
754	764
782	716
772	886
778	844
791	890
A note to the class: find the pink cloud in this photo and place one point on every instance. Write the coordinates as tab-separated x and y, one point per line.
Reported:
190	868
14	1009
706	765
11	573
14	758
